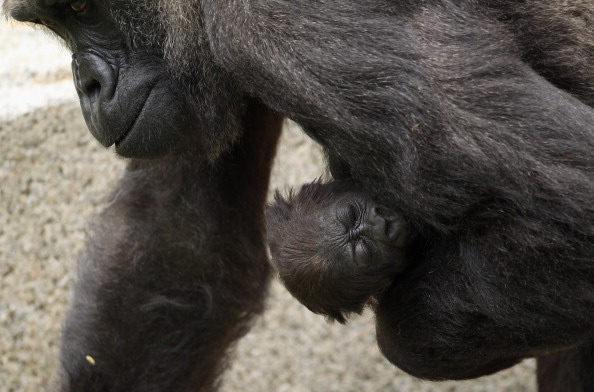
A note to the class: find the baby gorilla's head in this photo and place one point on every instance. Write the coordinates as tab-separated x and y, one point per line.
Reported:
334	247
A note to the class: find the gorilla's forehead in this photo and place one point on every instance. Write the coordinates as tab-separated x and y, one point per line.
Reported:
29	10
22	9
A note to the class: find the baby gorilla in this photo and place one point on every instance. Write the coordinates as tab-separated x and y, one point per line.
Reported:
335	249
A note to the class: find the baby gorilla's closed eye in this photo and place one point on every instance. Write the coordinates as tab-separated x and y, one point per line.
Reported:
348	214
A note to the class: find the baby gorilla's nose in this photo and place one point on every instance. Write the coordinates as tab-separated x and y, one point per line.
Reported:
386	225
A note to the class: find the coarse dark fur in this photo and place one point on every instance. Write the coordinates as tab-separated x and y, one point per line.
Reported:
153	307
474	117
335	249
567	371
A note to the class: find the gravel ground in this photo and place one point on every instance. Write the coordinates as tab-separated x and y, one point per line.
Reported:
53	179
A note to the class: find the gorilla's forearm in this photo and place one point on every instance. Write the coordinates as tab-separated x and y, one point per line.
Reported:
565	58
567	371
161	296
461	116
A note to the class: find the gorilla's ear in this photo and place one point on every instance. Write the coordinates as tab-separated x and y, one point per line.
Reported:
280	211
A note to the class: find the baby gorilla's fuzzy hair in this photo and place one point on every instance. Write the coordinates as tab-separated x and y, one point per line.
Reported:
323	285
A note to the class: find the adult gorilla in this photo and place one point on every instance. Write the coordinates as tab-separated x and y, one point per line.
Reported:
474	118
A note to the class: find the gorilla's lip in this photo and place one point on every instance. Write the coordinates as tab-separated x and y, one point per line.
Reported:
135	118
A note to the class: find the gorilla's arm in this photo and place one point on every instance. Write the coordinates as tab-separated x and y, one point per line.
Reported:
567	371
440	84
161	294
434	110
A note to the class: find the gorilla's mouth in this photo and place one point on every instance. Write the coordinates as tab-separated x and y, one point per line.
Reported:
129	130
123	137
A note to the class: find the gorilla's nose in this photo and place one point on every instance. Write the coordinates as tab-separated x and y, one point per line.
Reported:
85	83
95	82
91	74
386	224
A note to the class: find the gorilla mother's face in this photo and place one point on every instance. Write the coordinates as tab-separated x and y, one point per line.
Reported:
130	95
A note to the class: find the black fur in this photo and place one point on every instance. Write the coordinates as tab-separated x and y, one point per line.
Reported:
474	117
567	371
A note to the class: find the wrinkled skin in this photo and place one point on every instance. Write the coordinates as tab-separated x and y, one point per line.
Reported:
334	247
470	116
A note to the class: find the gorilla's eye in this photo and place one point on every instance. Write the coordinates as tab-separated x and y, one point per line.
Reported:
353	213
45	21
348	215
79	5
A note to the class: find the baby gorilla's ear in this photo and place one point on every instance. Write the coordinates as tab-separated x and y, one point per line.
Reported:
278	212
335	316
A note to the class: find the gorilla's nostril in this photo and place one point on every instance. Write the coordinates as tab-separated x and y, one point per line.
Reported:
386	225
92	88
384	212
379	211
92	76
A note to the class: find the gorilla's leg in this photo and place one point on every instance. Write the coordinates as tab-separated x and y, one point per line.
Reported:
175	270
567	371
